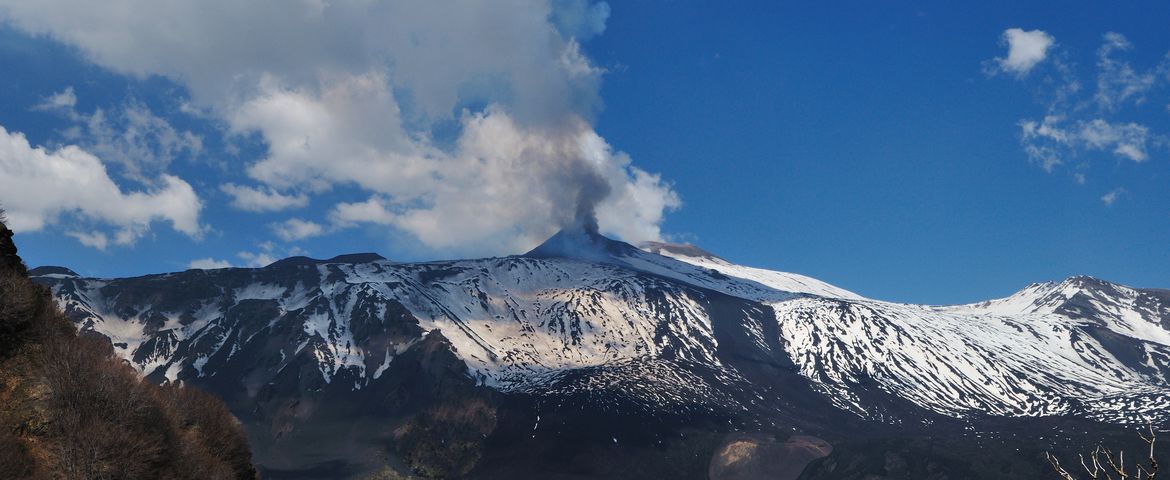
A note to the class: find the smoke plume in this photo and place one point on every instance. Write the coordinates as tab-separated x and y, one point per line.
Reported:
358	100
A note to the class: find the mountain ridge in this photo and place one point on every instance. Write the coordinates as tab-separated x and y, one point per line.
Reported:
585	323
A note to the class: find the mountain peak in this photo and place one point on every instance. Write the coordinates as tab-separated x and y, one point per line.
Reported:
1084	283
364	257
582	244
344	258
52	270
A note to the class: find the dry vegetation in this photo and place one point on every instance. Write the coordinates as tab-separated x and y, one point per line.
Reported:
1103	464
447	440
70	409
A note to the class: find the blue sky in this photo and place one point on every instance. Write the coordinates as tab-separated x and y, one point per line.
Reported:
902	152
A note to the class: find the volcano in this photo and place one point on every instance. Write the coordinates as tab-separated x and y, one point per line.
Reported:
589	357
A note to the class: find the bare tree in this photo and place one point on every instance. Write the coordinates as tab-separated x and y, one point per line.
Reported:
1102	464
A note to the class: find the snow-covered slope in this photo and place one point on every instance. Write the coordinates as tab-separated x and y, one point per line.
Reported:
779	281
510	319
1081	346
596	311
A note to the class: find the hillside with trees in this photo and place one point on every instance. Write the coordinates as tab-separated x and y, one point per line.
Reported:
70	409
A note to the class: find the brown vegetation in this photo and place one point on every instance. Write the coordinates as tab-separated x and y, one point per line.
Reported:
70	409
447	440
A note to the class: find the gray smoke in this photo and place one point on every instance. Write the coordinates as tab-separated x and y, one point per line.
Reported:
593	189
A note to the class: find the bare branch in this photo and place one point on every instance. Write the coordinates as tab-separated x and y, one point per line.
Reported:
1093	472
1117	466
1095	467
1064	474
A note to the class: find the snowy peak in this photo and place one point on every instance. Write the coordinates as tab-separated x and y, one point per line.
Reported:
583	244
1141	314
1078	297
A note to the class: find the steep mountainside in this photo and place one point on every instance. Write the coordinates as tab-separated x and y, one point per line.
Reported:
638	345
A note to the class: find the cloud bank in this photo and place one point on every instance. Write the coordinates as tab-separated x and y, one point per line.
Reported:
41	185
465	125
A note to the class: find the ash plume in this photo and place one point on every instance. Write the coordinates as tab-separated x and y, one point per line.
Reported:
592	190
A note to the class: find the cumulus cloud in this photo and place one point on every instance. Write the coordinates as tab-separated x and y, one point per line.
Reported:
254	199
296	229
38	186
348	96
1026	49
373	210
208	264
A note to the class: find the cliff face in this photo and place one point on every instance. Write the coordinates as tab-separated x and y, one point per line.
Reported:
9	259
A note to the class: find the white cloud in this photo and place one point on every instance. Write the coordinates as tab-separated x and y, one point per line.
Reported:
1112	196
1046	142
62	101
142	142
263	199
1026	49
267	253
208	264
257	259
1126	140
132	137
1076	125
1050	141
38	185
96	240
437	51
296	229
580	19
372	210
635	210
1117	81
507	185
346	95
503	188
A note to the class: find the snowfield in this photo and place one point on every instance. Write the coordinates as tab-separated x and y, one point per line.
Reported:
1080	347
